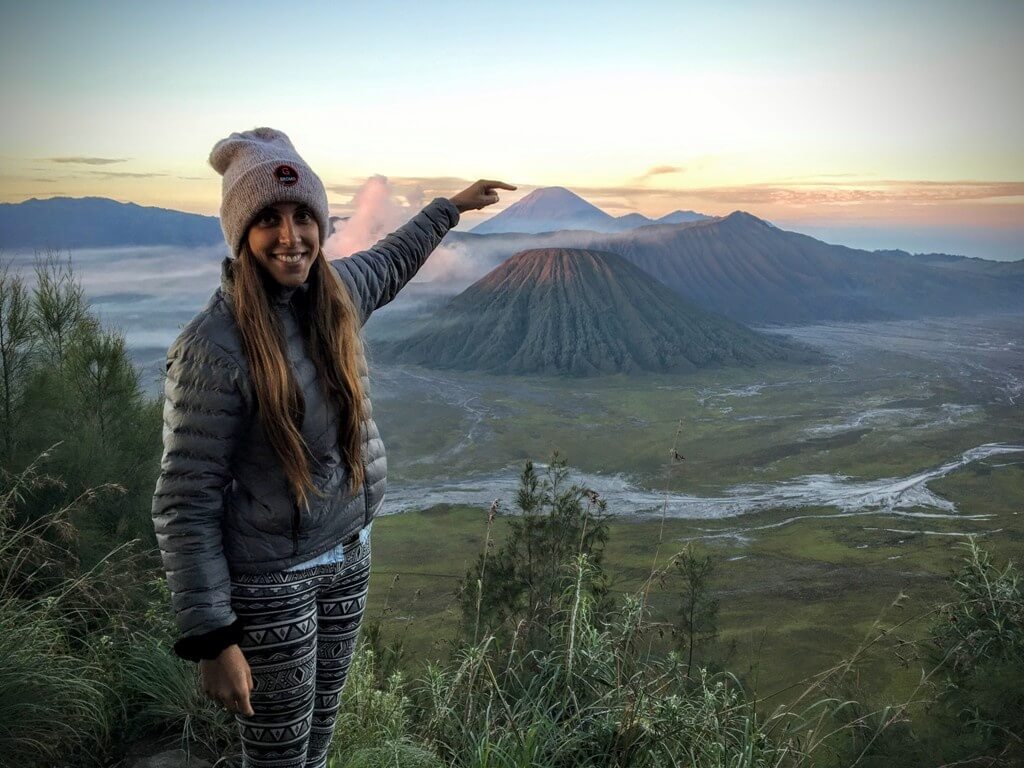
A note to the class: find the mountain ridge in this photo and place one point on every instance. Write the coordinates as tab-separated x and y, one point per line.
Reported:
97	222
738	265
754	272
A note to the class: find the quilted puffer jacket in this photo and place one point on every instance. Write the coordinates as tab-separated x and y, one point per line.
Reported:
222	505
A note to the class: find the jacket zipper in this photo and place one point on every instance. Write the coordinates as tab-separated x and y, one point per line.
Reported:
296	514
366	496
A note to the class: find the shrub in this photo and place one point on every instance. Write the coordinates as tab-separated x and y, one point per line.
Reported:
369	717
515	588
977	649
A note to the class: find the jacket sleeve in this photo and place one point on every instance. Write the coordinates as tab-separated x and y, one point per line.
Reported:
375	276
204	408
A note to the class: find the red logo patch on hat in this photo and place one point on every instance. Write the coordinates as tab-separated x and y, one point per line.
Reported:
286	175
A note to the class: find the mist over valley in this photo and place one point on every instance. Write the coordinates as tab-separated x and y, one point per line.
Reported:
855	379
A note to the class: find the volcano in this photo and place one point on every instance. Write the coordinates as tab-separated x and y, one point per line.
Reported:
582	313
552	209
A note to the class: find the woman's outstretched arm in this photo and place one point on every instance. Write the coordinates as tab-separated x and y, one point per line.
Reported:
376	275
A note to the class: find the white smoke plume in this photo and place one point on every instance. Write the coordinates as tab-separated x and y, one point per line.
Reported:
377	214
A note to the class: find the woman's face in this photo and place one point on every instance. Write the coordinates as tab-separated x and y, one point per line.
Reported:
285	239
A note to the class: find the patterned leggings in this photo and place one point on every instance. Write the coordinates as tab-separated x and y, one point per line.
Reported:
300	631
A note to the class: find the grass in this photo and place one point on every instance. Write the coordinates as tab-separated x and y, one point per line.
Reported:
797	598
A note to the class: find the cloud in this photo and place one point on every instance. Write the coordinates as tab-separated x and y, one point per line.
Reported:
824	192
660	170
810	193
34	179
410	187
828	176
16	196
452	264
839	193
88	160
126	175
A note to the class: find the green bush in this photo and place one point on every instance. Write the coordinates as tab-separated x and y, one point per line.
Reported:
56	699
68	387
52	700
163	694
977	649
515	588
591	696
369	717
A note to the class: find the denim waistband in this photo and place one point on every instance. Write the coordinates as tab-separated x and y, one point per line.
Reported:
337	553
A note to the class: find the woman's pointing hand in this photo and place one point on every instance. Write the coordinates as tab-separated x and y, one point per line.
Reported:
479	195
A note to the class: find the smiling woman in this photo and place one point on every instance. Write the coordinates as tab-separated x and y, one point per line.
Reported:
273	468
284	239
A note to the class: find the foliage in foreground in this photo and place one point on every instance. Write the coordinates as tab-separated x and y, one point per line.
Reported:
592	694
548	672
68	388
582	687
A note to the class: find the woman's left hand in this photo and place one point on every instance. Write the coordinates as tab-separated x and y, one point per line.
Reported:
479	195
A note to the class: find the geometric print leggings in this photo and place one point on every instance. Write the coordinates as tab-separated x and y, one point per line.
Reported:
299	632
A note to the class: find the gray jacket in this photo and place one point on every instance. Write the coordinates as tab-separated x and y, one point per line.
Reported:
222	504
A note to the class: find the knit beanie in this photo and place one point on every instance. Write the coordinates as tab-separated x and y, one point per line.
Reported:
261	167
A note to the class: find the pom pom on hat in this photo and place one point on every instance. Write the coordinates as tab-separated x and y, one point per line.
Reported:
261	167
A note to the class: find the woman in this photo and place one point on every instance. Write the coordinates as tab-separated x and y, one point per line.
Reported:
273	468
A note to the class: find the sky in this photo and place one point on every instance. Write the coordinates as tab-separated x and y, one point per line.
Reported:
875	124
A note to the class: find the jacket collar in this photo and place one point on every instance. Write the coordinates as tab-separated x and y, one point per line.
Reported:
279	294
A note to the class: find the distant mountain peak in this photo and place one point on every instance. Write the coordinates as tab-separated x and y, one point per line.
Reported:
553	192
742	217
549	209
554	200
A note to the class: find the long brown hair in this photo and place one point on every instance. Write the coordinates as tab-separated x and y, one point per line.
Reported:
336	350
